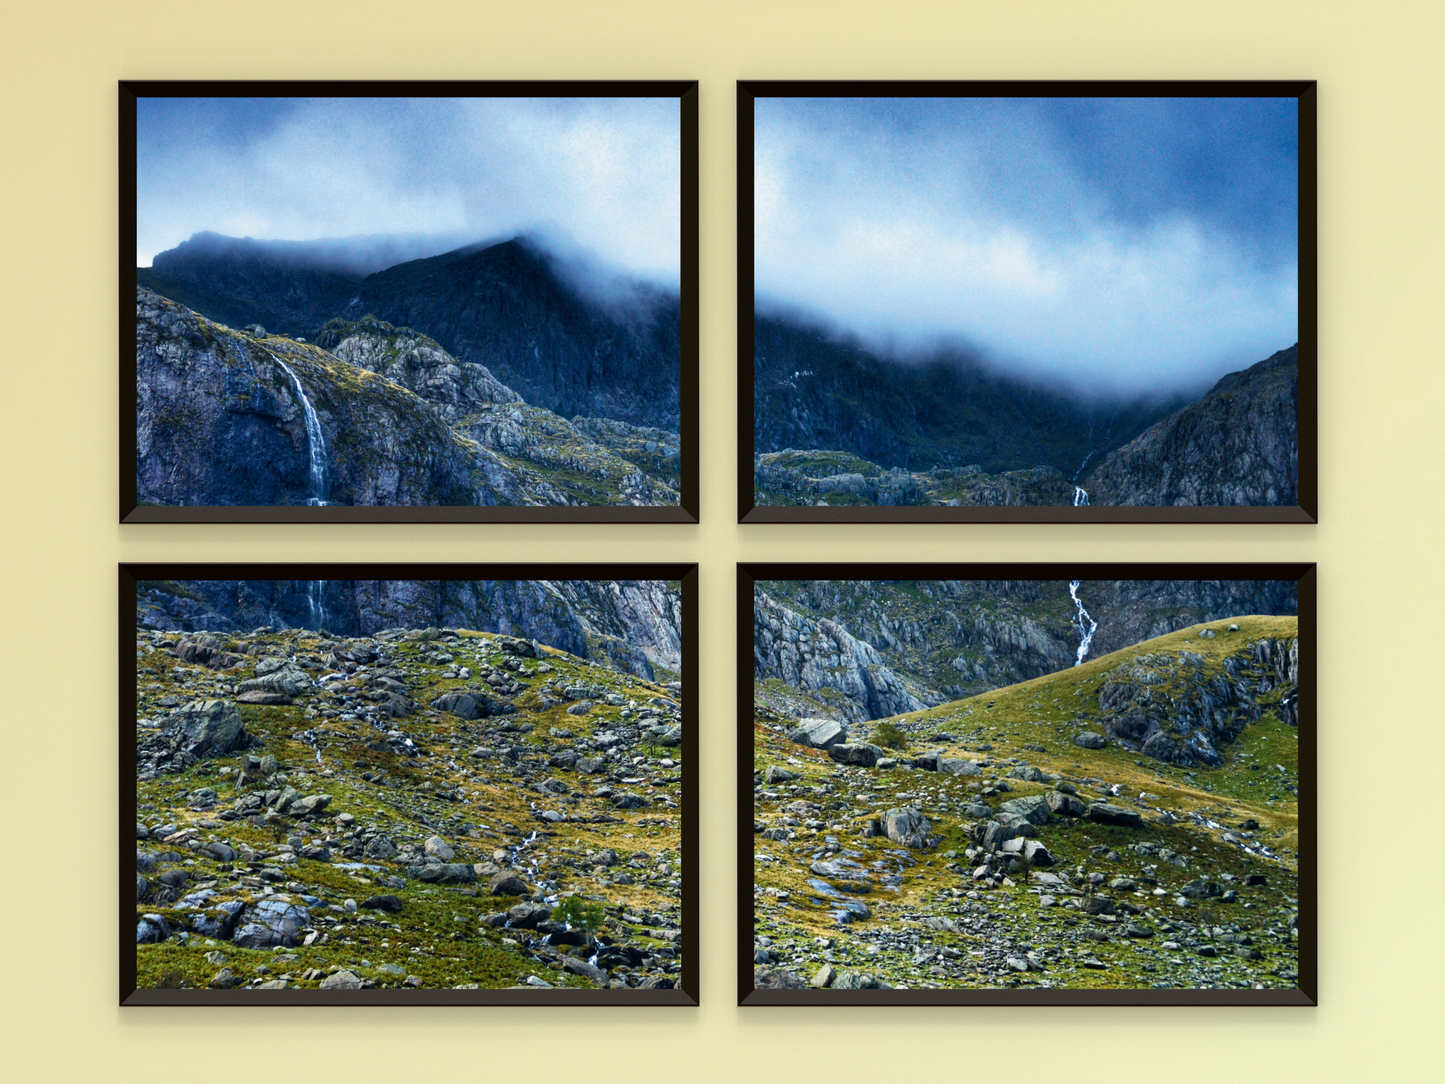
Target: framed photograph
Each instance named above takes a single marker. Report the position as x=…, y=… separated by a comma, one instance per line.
x=408, y=784
x=1027, y=784
x=1027, y=302
x=408, y=302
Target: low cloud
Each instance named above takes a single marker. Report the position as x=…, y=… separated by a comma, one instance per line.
x=600, y=175
x=981, y=232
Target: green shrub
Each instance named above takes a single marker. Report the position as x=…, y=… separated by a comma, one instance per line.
x=889, y=736
x=576, y=912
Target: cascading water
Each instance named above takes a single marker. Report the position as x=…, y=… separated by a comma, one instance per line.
x=316, y=603
x=315, y=439
x=1081, y=497
x=1082, y=621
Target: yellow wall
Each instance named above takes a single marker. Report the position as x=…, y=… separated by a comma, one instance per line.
x=1377, y=545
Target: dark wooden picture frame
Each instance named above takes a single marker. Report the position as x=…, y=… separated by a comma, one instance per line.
x=1305, y=993
x=1306, y=511
x=685, y=992
x=685, y=511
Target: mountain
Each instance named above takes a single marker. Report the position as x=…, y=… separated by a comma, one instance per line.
x=1238, y=445
x=407, y=809
x=938, y=640
x=1131, y=823
x=835, y=424
x=385, y=417
x=288, y=287
x=814, y=391
x=504, y=306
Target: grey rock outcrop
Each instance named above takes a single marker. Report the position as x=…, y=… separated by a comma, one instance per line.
x=1238, y=445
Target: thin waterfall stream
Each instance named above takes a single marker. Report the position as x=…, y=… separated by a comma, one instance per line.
x=1082, y=621
x=315, y=439
x=1081, y=497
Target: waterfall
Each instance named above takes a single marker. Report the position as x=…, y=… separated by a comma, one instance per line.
x=1081, y=620
x=316, y=603
x=1081, y=497
x=315, y=439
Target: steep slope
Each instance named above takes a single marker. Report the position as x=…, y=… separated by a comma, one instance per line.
x=793, y=477
x=504, y=307
x=402, y=811
x=1006, y=841
x=632, y=625
x=220, y=420
x=815, y=392
x=953, y=638
x=390, y=416
x=1238, y=445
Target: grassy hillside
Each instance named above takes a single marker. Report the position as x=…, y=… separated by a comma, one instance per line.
x=1200, y=892
x=570, y=785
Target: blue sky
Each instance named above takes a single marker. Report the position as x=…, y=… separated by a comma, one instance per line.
x=596, y=177
x=1111, y=245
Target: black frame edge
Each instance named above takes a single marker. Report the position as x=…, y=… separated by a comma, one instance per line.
x=1305, y=993
x=1307, y=482
x=686, y=993
x=688, y=508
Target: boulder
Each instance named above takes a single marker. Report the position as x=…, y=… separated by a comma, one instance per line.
x=528, y=915
x=288, y=681
x=776, y=978
x=389, y=903
x=1065, y=805
x=928, y=762
x=342, y=980
x=958, y=766
x=447, y=873
x=1034, y=808
x=1105, y=813
x=776, y=774
x=819, y=733
x=909, y=828
x=207, y=728
x=859, y=754
x=506, y=884
x=469, y=704
x=1090, y=739
x=272, y=921
x=439, y=848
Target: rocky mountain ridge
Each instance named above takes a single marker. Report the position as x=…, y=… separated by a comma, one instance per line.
x=942, y=639
x=837, y=425
x=226, y=417
x=631, y=625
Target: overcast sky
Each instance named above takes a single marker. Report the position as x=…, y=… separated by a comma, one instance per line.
x=1112, y=244
x=598, y=175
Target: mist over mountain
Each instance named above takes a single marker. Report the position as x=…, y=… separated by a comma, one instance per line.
x=569, y=336
x=816, y=390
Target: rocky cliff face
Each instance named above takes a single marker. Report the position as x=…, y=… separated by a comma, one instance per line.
x=219, y=420
x=1172, y=706
x=503, y=306
x=384, y=417
x=820, y=658
x=632, y=625
x=950, y=639
x=1239, y=445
